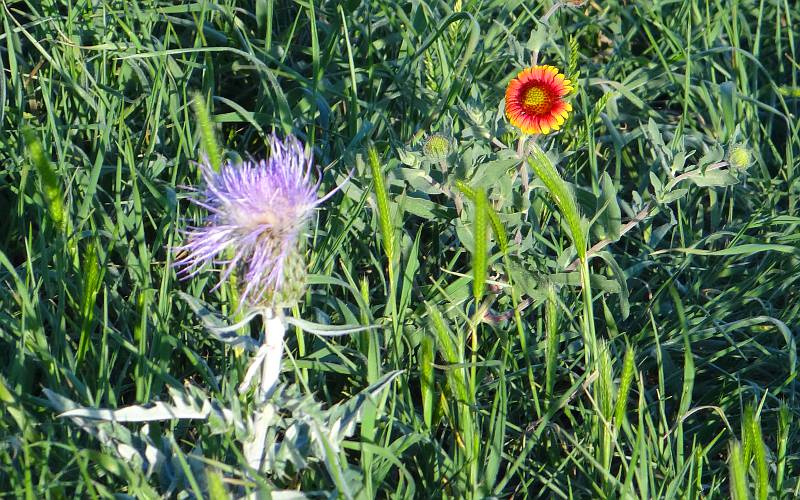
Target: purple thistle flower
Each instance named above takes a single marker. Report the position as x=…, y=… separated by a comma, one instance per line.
x=257, y=211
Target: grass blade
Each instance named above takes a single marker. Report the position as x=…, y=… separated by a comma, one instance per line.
x=479, y=257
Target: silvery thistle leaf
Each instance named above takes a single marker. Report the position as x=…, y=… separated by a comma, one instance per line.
x=138, y=449
x=190, y=404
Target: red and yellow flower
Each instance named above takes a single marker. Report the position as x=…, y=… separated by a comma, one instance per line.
x=535, y=100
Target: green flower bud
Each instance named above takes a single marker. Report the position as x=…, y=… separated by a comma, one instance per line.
x=293, y=284
x=739, y=157
x=436, y=147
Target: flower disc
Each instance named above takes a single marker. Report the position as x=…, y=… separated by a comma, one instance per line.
x=535, y=100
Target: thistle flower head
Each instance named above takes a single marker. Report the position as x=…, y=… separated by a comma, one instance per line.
x=257, y=212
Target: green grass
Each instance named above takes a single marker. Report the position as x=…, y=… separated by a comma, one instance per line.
x=688, y=386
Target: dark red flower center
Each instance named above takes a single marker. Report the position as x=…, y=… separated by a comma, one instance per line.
x=537, y=99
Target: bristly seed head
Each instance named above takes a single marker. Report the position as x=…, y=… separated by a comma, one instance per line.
x=257, y=212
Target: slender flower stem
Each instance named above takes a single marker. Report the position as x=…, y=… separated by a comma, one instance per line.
x=523, y=165
x=557, y=5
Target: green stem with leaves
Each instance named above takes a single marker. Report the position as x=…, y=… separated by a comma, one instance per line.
x=564, y=200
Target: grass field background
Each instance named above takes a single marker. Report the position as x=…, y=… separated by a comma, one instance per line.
x=691, y=388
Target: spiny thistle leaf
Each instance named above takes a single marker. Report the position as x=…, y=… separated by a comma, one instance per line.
x=326, y=330
x=217, y=328
x=342, y=418
x=193, y=404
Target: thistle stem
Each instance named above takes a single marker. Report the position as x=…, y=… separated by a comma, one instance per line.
x=274, y=330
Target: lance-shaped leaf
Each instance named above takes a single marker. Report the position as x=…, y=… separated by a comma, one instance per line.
x=326, y=330
x=191, y=404
x=343, y=417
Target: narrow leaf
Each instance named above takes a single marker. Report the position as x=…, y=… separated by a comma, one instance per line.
x=737, y=479
x=479, y=256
